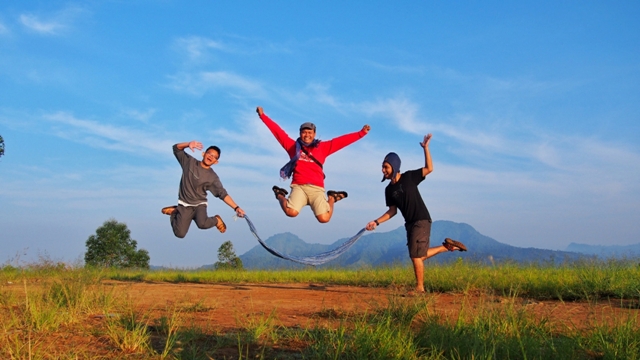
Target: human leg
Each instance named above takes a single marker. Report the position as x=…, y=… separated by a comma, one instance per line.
x=418, y=238
x=332, y=198
x=418, y=270
x=203, y=221
x=418, y=263
x=321, y=206
x=281, y=196
x=418, y=234
x=326, y=217
x=181, y=220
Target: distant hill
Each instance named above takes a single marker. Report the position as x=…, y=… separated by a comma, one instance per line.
x=608, y=251
x=387, y=248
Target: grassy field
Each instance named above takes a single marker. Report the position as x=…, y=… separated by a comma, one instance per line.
x=45, y=308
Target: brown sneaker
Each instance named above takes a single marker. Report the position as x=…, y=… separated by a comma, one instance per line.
x=453, y=245
x=220, y=225
x=169, y=210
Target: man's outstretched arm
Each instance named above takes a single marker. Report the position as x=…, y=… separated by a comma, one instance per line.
x=193, y=145
x=393, y=210
x=229, y=201
x=283, y=138
x=428, y=164
x=347, y=139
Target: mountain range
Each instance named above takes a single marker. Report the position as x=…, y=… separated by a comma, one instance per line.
x=606, y=251
x=387, y=248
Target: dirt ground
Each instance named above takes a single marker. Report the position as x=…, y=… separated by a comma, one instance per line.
x=229, y=309
x=231, y=306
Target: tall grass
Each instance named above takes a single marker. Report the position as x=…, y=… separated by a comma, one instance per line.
x=585, y=280
x=411, y=331
x=45, y=302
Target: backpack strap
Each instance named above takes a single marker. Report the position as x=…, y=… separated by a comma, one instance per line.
x=314, y=160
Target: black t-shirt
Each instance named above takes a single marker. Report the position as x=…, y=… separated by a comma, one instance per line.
x=405, y=196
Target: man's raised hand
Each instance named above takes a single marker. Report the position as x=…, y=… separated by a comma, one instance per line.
x=195, y=145
x=366, y=129
x=259, y=110
x=426, y=140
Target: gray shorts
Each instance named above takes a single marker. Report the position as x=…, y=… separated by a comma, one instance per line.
x=418, y=234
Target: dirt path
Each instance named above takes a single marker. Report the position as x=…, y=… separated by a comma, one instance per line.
x=228, y=306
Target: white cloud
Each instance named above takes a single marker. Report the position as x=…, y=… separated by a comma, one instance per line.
x=106, y=136
x=200, y=83
x=139, y=115
x=402, y=111
x=35, y=24
x=196, y=46
x=321, y=96
x=3, y=29
x=402, y=69
x=52, y=24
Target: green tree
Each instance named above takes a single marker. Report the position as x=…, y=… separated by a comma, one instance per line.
x=112, y=246
x=227, y=258
x=1, y=146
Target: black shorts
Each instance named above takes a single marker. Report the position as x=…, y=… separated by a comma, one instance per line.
x=418, y=234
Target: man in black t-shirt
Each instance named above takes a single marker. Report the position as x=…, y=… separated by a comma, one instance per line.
x=402, y=193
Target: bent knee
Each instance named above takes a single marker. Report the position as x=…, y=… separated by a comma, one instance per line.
x=291, y=213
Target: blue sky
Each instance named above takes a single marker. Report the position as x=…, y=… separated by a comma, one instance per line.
x=534, y=109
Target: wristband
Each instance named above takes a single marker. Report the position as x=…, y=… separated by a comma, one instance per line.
x=377, y=223
x=236, y=208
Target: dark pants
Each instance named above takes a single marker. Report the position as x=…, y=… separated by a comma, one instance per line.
x=181, y=219
x=418, y=234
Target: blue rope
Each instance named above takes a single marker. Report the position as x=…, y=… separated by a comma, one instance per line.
x=308, y=260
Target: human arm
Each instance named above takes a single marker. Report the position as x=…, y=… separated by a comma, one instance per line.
x=281, y=136
x=229, y=201
x=345, y=140
x=181, y=155
x=393, y=210
x=193, y=145
x=428, y=164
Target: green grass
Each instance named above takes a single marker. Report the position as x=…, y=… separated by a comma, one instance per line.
x=588, y=280
x=52, y=301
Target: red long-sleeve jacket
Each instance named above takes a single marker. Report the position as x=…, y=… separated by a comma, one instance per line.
x=306, y=170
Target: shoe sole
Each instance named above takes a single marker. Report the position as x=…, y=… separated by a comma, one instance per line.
x=455, y=243
x=335, y=195
x=279, y=191
x=221, y=226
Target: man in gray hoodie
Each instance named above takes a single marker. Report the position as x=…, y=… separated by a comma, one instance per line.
x=197, y=179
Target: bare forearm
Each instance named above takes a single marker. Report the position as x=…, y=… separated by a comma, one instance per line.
x=428, y=164
x=193, y=145
x=229, y=201
x=182, y=146
x=386, y=216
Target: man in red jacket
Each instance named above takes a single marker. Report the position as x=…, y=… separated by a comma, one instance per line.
x=308, y=155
